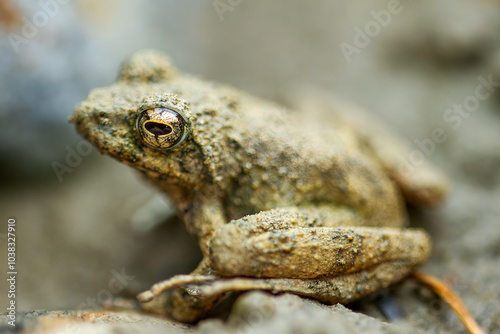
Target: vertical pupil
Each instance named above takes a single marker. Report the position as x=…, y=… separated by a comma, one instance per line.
x=158, y=129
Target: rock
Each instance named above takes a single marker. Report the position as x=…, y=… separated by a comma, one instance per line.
x=259, y=312
x=253, y=312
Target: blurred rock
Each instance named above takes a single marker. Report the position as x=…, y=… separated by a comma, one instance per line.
x=87, y=322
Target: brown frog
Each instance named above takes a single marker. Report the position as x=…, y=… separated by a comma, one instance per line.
x=279, y=201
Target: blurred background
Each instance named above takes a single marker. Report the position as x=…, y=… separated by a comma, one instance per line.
x=408, y=62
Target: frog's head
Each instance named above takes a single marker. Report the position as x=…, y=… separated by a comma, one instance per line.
x=140, y=122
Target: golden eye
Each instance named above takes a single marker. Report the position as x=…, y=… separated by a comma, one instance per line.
x=162, y=128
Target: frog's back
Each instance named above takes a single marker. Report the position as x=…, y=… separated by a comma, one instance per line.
x=260, y=156
x=287, y=159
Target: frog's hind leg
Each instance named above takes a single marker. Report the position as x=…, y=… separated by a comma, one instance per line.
x=312, y=254
x=286, y=243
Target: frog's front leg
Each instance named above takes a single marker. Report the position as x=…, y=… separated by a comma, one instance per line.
x=202, y=216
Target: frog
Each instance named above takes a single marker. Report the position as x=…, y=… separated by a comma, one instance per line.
x=279, y=200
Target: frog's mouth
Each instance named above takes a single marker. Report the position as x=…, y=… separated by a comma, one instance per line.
x=127, y=152
x=119, y=140
x=149, y=171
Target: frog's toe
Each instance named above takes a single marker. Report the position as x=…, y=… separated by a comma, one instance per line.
x=180, y=297
x=174, y=282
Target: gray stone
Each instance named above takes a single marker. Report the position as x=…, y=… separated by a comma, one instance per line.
x=259, y=312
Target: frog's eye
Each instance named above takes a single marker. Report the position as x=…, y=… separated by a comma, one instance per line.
x=162, y=128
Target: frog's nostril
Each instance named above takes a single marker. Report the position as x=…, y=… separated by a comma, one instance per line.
x=158, y=129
